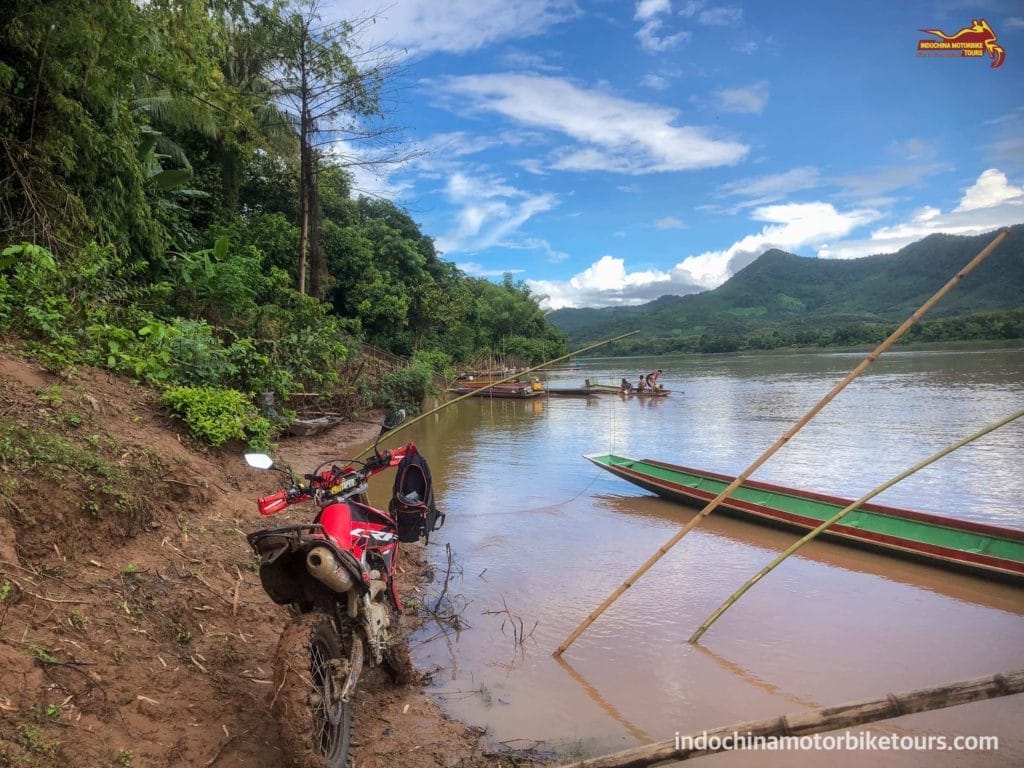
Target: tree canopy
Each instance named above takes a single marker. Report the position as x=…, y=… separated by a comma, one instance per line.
x=175, y=151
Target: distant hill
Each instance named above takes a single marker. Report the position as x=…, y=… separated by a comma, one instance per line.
x=782, y=299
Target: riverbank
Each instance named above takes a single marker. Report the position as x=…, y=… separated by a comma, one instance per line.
x=133, y=626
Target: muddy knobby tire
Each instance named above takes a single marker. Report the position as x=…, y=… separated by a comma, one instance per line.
x=397, y=659
x=308, y=737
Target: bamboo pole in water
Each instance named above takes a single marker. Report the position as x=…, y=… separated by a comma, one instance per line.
x=815, y=721
x=842, y=513
x=713, y=504
x=508, y=378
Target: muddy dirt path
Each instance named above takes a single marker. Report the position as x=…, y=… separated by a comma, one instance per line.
x=145, y=639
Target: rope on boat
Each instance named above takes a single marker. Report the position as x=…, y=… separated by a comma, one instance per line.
x=713, y=504
x=841, y=513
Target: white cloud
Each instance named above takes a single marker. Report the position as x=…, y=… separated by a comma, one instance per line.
x=657, y=82
x=606, y=283
x=750, y=99
x=490, y=211
x=519, y=59
x=669, y=222
x=539, y=244
x=991, y=189
x=881, y=180
x=720, y=17
x=453, y=26
x=990, y=203
x=372, y=169
x=648, y=9
x=691, y=7
x=1014, y=22
x=650, y=33
x=651, y=38
x=759, y=190
x=790, y=226
x=613, y=134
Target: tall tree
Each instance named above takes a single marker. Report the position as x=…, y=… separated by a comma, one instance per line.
x=332, y=91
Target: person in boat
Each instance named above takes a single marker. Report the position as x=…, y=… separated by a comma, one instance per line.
x=651, y=380
x=625, y=387
x=640, y=385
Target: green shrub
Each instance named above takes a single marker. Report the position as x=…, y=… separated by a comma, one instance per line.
x=438, y=361
x=218, y=415
x=402, y=388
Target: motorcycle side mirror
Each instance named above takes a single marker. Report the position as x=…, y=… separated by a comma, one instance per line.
x=259, y=460
x=392, y=420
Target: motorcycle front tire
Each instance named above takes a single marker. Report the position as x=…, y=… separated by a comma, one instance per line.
x=315, y=727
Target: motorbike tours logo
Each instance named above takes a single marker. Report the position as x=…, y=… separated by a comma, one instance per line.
x=970, y=42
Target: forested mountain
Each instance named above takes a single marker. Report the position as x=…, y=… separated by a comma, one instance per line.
x=782, y=299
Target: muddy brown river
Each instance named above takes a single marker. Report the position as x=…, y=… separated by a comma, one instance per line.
x=541, y=536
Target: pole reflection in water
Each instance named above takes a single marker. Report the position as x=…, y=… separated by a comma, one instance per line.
x=556, y=535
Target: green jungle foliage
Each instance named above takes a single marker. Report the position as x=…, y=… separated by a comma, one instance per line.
x=149, y=219
x=784, y=300
x=216, y=415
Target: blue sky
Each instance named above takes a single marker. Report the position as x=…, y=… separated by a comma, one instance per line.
x=609, y=152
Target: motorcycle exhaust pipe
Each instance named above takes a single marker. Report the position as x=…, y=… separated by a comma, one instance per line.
x=324, y=566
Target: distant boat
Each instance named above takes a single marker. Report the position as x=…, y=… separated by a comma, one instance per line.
x=571, y=391
x=944, y=541
x=516, y=391
x=602, y=389
x=306, y=427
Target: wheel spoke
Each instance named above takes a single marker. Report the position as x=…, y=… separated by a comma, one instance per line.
x=327, y=712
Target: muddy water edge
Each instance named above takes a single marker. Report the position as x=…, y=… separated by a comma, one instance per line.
x=540, y=537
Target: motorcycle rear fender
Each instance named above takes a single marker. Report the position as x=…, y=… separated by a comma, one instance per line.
x=283, y=571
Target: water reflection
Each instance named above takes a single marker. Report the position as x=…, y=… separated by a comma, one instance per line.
x=552, y=536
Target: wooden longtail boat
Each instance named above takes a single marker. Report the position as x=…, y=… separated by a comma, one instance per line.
x=511, y=392
x=570, y=391
x=979, y=547
x=613, y=389
x=647, y=393
x=300, y=427
x=601, y=389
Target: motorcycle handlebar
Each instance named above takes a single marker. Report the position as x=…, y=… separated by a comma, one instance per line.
x=276, y=502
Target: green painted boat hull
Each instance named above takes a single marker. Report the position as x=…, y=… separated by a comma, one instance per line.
x=979, y=547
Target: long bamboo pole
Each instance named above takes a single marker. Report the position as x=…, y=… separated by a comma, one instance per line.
x=801, y=724
x=508, y=378
x=843, y=512
x=713, y=504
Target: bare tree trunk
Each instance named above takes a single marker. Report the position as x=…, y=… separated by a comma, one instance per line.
x=317, y=258
x=305, y=163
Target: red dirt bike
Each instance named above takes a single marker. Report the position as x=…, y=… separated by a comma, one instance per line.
x=337, y=574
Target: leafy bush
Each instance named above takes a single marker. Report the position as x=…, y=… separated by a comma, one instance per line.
x=440, y=363
x=218, y=415
x=402, y=388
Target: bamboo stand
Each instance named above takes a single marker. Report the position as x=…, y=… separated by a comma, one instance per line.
x=713, y=504
x=816, y=721
x=842, y=513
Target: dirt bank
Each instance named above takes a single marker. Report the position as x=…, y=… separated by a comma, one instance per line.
x=133, y=628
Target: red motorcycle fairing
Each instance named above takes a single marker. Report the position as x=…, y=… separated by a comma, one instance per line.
x=359, y=528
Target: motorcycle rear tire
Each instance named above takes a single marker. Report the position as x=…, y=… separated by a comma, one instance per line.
x=397, y=659
x=316, y=728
